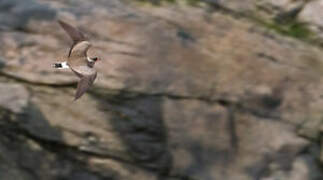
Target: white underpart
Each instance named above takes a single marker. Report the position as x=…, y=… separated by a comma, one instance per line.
x=89, y=59
x=64, y=65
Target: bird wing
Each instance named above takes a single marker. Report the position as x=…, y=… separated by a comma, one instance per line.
x=76, y=35
x=77, y=59
x=86, y=80
x=78, y=55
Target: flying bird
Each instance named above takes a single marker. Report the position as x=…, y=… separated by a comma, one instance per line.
x=78, y=60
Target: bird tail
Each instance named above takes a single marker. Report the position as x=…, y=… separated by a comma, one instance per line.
x=57, y=65
x=60, y=65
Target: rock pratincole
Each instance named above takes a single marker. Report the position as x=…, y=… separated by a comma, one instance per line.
x=78, y=60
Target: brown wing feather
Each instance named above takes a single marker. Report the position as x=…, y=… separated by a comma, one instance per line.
x=76, y=35
x=77, y=59
x=84, y=84
x=78, y=56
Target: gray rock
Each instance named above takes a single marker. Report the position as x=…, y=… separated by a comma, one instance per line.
x=14, y=97
x=15, y=14
x=180, y=94
x=265, y=9
x=312, y=15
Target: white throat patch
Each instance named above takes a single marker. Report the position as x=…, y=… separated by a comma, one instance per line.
x=89, y=59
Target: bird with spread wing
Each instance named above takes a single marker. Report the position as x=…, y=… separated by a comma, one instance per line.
x=78, y=60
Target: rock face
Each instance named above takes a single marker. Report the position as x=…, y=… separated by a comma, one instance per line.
x=181, y=94
x=271, y=8
x=305, y=13
x=312, y=15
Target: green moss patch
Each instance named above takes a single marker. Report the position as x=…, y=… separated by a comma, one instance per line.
x=293, y=28
x=158, y=2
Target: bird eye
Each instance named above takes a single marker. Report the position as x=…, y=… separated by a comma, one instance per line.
x=95, y=58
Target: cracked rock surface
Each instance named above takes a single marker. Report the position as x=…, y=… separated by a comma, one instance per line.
x=181, y=94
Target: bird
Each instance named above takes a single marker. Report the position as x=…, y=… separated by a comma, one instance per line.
x=77, y=60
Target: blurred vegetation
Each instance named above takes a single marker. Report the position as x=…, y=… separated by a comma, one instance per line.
x=158, y=2
x=290, y=27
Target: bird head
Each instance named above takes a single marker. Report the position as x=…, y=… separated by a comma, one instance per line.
x=95, y=59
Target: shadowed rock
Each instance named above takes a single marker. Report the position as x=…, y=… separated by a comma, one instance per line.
x=181, y=93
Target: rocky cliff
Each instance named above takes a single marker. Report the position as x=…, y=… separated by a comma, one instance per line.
x=213, y=90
